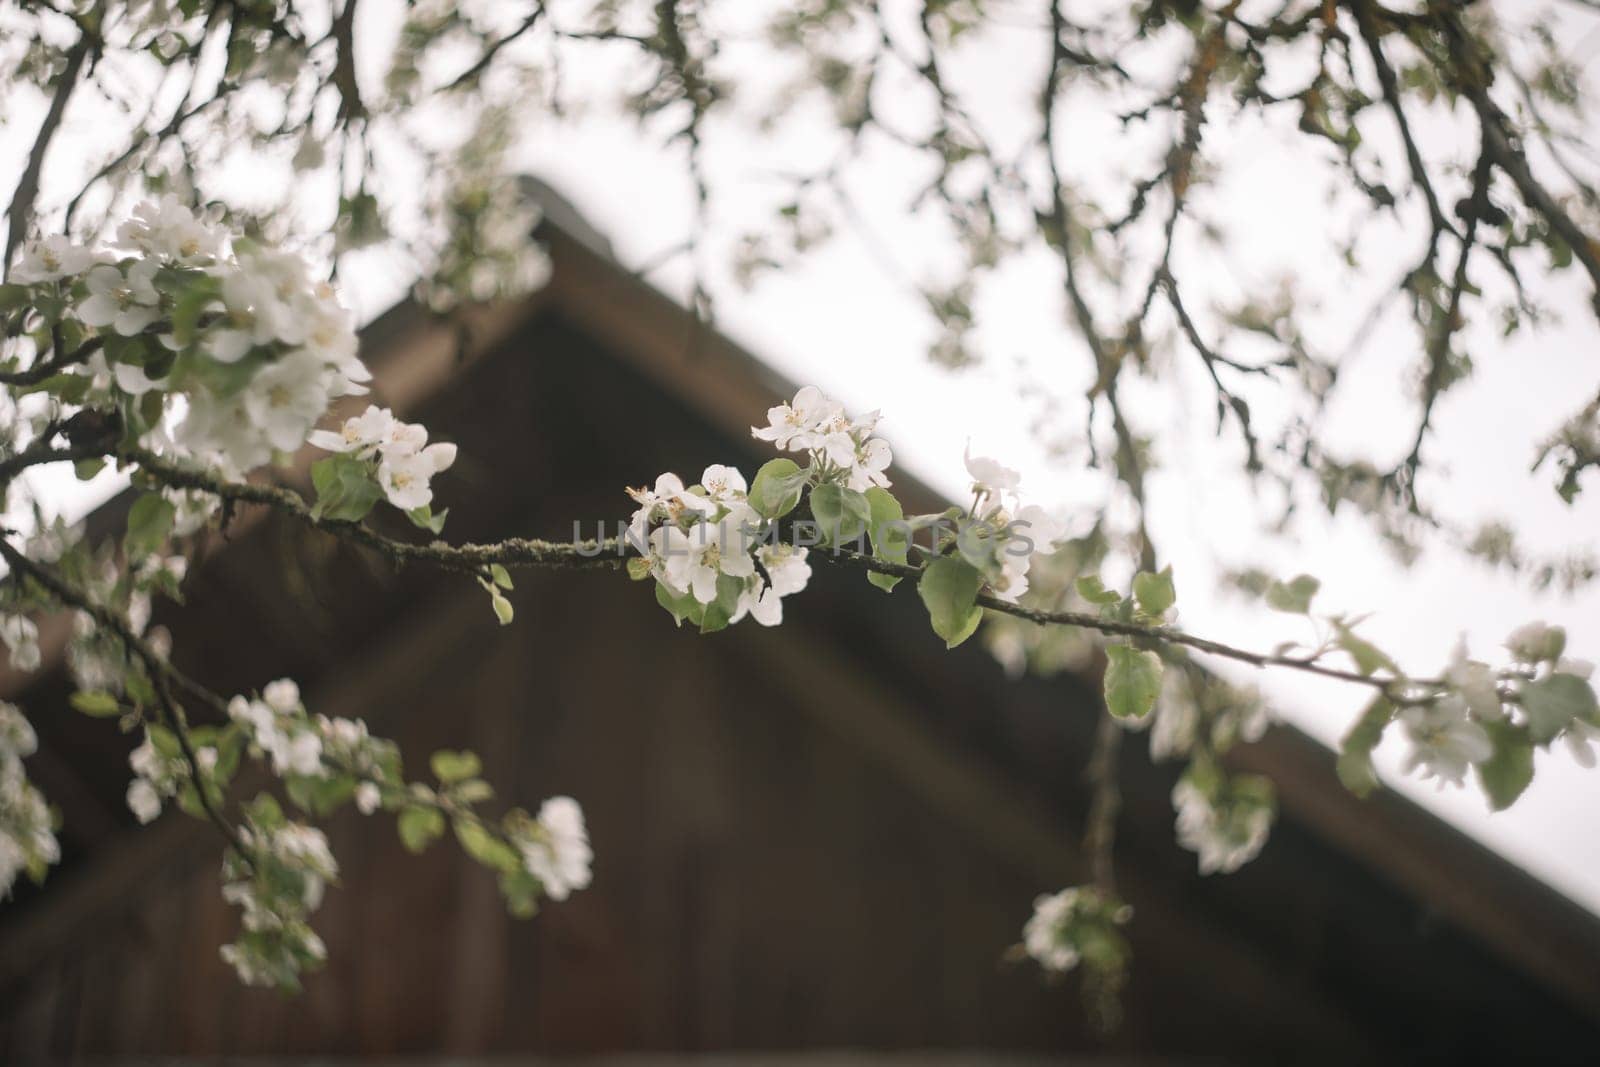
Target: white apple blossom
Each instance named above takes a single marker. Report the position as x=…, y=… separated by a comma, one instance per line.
x=143, y=800
x=405, y=478
x=1445, y=741
x=126, y=301
x=696, y=557
x=1177, y=719
x=759, y=601
x=868, y=461
x=298, y=753
x=787, y=572
x=282, y=696
x=21, y=636
x=287, y=397
x=558, y=852
x=1225, y=834
x=989, y=476
x=1044, y=530
x=17, y=739
x=797, y=425
x=167, y=229
x=1044, y=935
x=361, y=434
x=1475, y=683
x=308, y=845
x=50, y=259
x=368, y=798
x=786, y=567
x=723, y=484
x=669, y=502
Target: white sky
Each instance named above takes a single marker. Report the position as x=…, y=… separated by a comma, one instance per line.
x=839, y=320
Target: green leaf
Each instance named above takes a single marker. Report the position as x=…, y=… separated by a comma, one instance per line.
x=424, y=518
x=1355, y=751
x=521, y=891
x=139, y=689
x=949, y=590
x=679, y=607
x=777, y=488
x=1554, y=701
x=1507, y=772
x=500, y=576
x=190, y=306
x=346, y=490
x=1155, y=592
x=485, y=847
x=321, y=796
x=1094, y=591
x=1293, y=596
x=420, y=827
x=843, y=514
x=891, y=537
x=85, y=469
x=719, y=612
x=13, y=297
x=1132, y=681
x=503, y=610
x=1369, y=658
x=451, y=766
x=164, y=741
x=149, y=524
x=96, y=703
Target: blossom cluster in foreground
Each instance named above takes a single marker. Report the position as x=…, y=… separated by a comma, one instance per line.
x=279, y=877
x=395, y=455
x=27, y=828
x=720, y=550
x=1075, y=925
x=220, y=352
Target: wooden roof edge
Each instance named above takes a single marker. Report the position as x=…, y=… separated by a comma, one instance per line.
x=414, y=353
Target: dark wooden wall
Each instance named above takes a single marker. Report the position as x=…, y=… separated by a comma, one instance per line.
x=818, y=837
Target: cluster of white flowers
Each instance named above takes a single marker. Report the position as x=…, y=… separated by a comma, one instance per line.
x=1019, y=531
x=1544, y=694
x=1065, y=925
x=837, y=442
x=1445, y=741
x=404, y=461
x=1226, y=827
x=27, y=834
x=1207, y=709
x=160, y=773
x=252, y=344
x=710, y=544
x=347, y=743
x=277, y=726
x=277, y=888
x=21, y=636
x=555, y=848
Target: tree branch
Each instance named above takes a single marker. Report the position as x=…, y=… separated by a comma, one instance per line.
x=523, y=552
x=27, y=191
x=155, y=665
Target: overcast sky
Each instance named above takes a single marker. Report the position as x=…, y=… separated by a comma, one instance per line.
x=843, y=320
